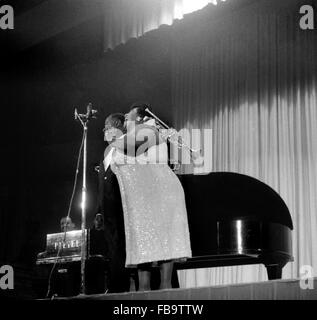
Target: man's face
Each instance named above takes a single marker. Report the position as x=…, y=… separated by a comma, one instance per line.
x=130, y=118
x=66, y=225
x=111, y=133
x=98, y=222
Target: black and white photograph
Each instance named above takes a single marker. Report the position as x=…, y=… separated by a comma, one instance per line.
x=158, y=155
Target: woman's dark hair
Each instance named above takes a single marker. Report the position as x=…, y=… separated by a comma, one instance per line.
x=115, y=120
x=141, y=109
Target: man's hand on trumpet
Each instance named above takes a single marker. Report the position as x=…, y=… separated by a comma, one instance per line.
x=169, y=134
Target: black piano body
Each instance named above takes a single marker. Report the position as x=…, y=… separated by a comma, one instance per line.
x=235, y=219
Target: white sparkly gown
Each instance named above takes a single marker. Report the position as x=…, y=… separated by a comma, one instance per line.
x=155, y=216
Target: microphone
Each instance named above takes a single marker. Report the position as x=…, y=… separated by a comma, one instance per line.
x=89, y=108
x=90, y=112
x=75, y=114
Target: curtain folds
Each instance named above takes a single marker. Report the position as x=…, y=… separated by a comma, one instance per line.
x=252, y=78
x=125, y=19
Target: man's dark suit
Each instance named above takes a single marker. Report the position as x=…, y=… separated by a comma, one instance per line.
x=110, y=205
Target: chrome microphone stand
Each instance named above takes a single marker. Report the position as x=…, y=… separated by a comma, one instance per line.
x=84, y=119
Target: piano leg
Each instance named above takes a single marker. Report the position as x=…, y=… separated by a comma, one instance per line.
x=274, y=271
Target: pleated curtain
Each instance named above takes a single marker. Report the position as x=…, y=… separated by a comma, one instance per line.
x=126, y=19
x=251, y=78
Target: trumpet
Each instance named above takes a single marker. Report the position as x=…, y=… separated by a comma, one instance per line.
x=180, y=143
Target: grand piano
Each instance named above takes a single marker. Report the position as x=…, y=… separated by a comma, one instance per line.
x=235, y=219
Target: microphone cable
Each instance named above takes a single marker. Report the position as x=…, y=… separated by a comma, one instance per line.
x=68, y=214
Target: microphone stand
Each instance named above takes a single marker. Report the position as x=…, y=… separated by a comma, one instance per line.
x=84, y=119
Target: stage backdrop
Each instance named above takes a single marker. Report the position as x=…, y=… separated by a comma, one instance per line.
x=132, y=19
x=251, y=77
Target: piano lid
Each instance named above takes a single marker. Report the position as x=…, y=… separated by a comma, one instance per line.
x=232, y=196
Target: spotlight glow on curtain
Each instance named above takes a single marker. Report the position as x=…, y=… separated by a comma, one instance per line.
x=125, y=19
x=253, y=80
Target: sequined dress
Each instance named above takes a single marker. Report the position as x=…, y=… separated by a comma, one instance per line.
x=155, y=217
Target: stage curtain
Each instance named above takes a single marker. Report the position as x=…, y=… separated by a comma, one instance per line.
x=251, y=77
x=125, y=19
